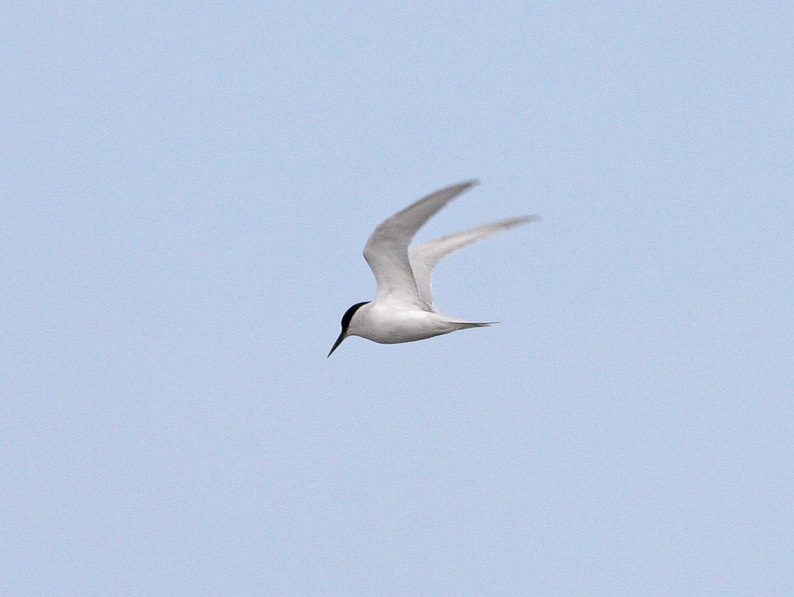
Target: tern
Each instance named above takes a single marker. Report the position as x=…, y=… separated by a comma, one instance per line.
x=403, y=309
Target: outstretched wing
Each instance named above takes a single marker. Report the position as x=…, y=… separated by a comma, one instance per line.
x=386, y=250
x=423, y=258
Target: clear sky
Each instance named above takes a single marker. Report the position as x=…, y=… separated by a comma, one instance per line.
x=186, y=189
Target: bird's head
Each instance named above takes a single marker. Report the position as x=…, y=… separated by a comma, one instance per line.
x=346, y=319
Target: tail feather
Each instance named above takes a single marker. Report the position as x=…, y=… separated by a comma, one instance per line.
x=464, y=325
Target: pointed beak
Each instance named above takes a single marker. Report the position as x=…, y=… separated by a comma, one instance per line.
x=341, y=337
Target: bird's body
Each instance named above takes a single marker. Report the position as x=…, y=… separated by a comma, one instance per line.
x=388, y=324
x=403, y=309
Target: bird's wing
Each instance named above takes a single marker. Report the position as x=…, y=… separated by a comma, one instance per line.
x=424, y=257
x=386, y=250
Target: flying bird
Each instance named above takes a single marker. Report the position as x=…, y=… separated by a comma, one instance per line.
x=403, y=309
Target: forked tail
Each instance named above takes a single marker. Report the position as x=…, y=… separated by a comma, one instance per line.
x=464, y=325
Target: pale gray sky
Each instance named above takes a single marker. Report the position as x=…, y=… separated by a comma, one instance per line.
x=186, y=191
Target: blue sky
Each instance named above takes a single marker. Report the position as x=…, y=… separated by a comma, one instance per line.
x=186, y=190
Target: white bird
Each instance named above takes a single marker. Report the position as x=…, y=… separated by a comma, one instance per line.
x=403, y=309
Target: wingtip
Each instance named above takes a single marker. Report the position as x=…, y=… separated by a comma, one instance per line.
x=465, y=184
x=519, y=220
